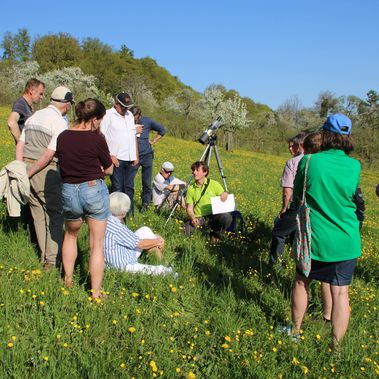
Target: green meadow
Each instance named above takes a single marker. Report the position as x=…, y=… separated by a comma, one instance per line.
x=218, y=319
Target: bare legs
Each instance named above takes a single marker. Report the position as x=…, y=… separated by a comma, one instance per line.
x=299, y=301
x=96, y=261
x=327, y=301
x=70, y=252
x=340, y=312
x=335, y=300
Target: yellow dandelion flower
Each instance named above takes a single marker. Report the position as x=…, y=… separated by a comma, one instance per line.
x=14, y=338
x=135, y=294
x=295, y=361
x=225, y=345
x=227, y=338
x=305, y=369
x=122, y=365
x=10, y=345
x=65, y=345
x=207, y=333
x=153, y=366
x=114, y=322
x=274, y=349
x=173, y=289
x=318, y=337
x=178, y=370
x=46, y=358
x=132, y=329
x=191, y=375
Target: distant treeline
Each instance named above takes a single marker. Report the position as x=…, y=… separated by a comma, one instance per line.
x=93, y=68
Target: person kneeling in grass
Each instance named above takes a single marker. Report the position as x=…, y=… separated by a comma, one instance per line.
x=122, y=247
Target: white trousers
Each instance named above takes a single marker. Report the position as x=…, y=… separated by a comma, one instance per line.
x=146, y=233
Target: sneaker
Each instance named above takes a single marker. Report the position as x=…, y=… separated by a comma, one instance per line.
x=288, y=330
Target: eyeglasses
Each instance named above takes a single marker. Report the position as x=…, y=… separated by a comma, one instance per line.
x=167, y=172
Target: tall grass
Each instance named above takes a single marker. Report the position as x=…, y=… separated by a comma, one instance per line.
x=219, y=319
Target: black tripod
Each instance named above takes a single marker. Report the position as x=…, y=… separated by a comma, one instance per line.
x=206, y=157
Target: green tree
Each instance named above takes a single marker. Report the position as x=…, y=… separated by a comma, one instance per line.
x=22, y=45
x=7, y=44
x=56, y=51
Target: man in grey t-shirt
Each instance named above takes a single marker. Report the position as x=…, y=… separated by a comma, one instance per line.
x=22, y=108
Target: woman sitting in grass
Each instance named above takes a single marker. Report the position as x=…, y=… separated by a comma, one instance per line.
x=122, y=247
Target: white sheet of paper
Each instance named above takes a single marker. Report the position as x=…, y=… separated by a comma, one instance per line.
x=219, y=206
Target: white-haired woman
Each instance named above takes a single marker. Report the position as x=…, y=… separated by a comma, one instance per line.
x=122, y=247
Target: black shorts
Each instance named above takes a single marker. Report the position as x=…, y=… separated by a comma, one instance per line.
x=334, y=273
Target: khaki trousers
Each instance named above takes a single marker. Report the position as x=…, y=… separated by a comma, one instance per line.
x=46, y=208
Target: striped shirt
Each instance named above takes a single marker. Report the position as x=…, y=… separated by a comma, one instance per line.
x=120, y=245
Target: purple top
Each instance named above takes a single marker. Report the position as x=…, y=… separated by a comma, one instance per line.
x=289, y=172
x=82, y=155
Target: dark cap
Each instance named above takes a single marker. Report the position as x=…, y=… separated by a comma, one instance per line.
x=124, y=100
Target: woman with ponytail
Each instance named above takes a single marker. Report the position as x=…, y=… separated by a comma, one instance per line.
x=84, y=159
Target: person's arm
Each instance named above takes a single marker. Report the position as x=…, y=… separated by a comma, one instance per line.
x=191, y=215
x=20, y=150
x=42, y=162
x=109, y=170
x=155, y=139
x=13, y=125
x=135, y=162
x=147, y=244
x=286, y=198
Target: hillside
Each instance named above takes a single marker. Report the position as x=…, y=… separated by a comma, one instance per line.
x=218, y=319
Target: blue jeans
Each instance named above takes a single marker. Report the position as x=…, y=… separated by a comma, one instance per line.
x=283, y=227
x=88, y=199
x=146, y=162
x=123, y=180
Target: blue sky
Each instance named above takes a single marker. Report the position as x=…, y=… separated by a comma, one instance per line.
x=267, y=50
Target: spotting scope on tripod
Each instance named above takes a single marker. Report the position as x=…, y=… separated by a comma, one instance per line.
x=209, y=139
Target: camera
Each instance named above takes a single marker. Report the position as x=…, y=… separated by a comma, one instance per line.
x=210, y=131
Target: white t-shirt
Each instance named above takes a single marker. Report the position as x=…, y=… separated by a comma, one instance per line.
x=160, y=191
x=120, y=134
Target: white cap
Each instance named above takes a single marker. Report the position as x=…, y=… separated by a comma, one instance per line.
x=62, y=95
x=168, y=166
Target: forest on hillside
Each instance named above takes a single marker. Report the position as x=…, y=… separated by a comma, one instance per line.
x=92, y=68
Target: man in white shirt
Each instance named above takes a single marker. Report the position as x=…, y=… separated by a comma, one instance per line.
x=36, y=147
x=119, y=130
x=166, y=187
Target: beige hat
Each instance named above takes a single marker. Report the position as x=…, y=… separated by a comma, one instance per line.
x=62, y=95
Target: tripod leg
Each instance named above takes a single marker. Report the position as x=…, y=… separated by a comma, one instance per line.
x=219, y=164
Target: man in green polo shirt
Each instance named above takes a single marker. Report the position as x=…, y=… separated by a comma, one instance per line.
x=198, y=200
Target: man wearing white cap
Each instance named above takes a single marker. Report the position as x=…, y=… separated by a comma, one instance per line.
x=36, y=147
x=119, y=130
x=166, y=187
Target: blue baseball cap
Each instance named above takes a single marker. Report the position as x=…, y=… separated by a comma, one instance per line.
x=338, y=123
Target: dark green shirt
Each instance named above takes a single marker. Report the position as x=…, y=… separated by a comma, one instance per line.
x=332, y=180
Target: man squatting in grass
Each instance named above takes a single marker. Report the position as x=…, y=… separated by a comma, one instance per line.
x=166, y=187
x=199, y=208
x=36, y=147
x=122, y=247
x=285, y=223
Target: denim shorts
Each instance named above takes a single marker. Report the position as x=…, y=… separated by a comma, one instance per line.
x=334, y=273
x=88, y=199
